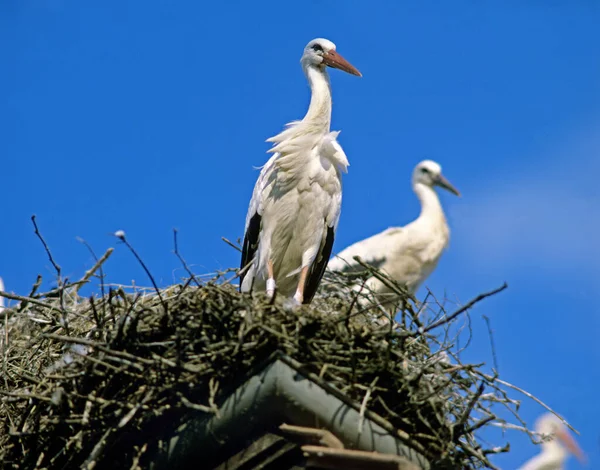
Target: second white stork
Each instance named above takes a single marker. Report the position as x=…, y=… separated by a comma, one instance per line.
x=556, y=446
x=296, y=203
x=407, y=254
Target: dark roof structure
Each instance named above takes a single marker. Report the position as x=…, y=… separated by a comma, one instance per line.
x=252, y=428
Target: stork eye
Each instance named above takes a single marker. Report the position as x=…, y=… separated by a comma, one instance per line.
x=424, y=170
x=317, y=48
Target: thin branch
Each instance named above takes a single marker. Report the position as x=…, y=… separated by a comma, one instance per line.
x=462, y=421
x=363, y=407
x=528, y=395
x=46, y=247
x=465, y=307
x=231, y=244
x=494, y=358
x=92, y=459
x=93, y=253
x=181, y=259
x=121, y=236
x=9, y=295
x=98, y=266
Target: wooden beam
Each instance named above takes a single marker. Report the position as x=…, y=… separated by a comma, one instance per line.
x=264, y=445
x=346, y=459
x=311, y=436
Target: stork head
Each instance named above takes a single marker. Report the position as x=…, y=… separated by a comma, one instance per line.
x=429, y=173
x=556, y=437
x=321, y=53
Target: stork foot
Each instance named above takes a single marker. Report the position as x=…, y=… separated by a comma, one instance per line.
x=299, y=297
x=291, y=305
x=270, y=288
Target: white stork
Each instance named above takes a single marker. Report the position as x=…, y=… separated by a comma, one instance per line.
x=556, y=448
x=295, y=206
x=407, y=254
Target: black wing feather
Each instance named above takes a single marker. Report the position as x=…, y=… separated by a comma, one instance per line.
x=318, y=268
x=250, y=243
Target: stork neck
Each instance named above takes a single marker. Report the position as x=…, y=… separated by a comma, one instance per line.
x=319, y=110
x=555, y=449
x=431, y=208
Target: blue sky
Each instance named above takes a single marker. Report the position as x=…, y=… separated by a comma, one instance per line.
x=145, y=116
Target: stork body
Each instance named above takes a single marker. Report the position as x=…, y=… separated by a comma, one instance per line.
x=556, y=449
x=407, y=254
x=296, y=203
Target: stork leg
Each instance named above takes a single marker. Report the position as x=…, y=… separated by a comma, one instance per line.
x=270, y=280
x=299, y=295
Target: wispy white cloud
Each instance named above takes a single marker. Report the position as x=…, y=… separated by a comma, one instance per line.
x=545, y=212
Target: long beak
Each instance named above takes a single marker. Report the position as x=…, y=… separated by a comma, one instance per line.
x=442, y=182
x=333, y=59
x=570, y=444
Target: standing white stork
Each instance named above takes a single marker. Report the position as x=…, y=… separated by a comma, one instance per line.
x=556, y=448
x=407, y=254
x=295, y=206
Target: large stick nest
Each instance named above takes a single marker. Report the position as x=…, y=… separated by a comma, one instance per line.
x=95, y=381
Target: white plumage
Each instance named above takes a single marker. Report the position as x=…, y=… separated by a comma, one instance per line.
x=556, y=449
x=297, y=198
x=407, y=254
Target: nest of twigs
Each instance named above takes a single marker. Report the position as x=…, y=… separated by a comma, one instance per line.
x=95, y=381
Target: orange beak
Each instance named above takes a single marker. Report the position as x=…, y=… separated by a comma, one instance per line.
x=333, y=59
x=571, y=445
